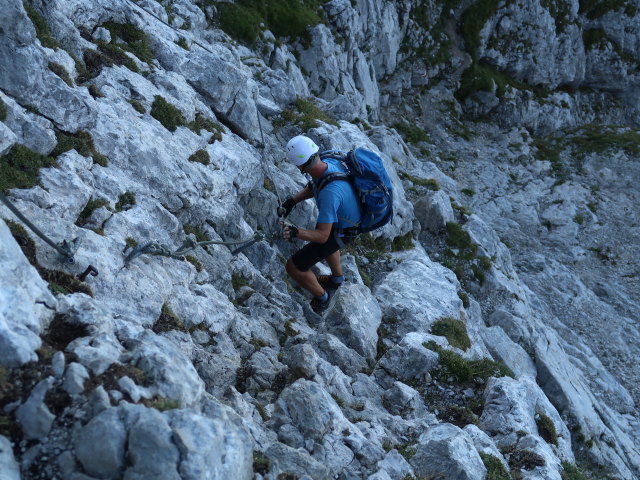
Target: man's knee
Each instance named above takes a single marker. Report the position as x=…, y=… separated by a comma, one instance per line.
x=291, y=268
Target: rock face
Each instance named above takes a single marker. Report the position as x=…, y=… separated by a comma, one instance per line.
x=491, y=325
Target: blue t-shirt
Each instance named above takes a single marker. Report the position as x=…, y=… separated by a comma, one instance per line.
x=337, y=201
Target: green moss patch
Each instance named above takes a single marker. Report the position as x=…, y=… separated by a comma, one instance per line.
x=81, y=142
x=459, y=238
x=125, y=201
x=525, y=460
x=594, y=9
x=412, y=133
x=137, y=106
x=168, y=321
x=495, y=468
x=3, y=111
x=203, y=123
x=304, y=114
x=403, y=242
x=458, y=416
x=42, y=29
x=285, y=18
x=454, y=331
x=473, y=19
x=161, y=403
x=571, y=472
x=132, y=39
x=260, y=463
x=200, y=234
x=200, y=156
x=462, y=370
x=60, y=71
x=547, y=429
x=92, y=205
x=20, y=167
x=599, y=139
x=169, y=116
x=430, y=183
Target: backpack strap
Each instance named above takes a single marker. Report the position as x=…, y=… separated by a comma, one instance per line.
x=331, y=177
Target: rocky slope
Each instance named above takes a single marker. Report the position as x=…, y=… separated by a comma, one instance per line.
x=490, y=331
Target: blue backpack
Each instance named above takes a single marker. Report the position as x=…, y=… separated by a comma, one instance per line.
x=371, y=182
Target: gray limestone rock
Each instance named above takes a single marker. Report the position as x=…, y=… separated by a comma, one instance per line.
x=33, y=415
x=502, y=348
x=100, y=445
x=395, y=465
x=8, y=465
x=302, y=361
x=447, y=451
x=167, y=369
x=150, y=447
x=403, y=400
x=355, y=319
x=402, y=295
x=331, y=349
x=516, y=406
x=74, y=379
x=24, y=298
x=433, y=211
x=287, y=460
x=409, y=359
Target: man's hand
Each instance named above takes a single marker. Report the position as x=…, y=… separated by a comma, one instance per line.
x=285, y=209
x=289, y=232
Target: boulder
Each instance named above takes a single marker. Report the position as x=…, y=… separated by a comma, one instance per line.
x=434, y=211
x=417, y=294
x=34, y=417
x=446, y=450
x=355, y=319
x=8, y=465
x=25, y=303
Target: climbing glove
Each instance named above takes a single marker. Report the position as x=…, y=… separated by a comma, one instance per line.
x=285, y=209
x=293, y=232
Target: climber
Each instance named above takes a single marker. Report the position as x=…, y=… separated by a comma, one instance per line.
x=336, y=225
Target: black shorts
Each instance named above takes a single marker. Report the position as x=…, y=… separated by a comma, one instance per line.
x=312, y=253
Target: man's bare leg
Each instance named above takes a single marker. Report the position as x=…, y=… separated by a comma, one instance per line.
x=334, y=263
x=306, y=280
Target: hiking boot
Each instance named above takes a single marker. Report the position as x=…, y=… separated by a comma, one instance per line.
x=327, y=283
x=320, y=307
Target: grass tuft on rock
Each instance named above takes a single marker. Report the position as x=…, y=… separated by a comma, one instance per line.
x=495, y=468
x=459, y=238
x=547, y=429
x=42, y=29
x=412, y=133
x=454, y=331
x=81, y=142
x=200, y=156
x=92, y=205
x=60, y=71
x=285, y=18
x=168, y=321
x=3, y=111
x=125, y=201
x=169, y=116
x=20, y=168
x=304, y=114
x=571, y=472
x=462, y=370
x=132, y=39
x=430, y=183
x=403, y=242
x=203, y=123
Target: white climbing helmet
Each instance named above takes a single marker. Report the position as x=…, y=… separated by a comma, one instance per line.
x=300, y=149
